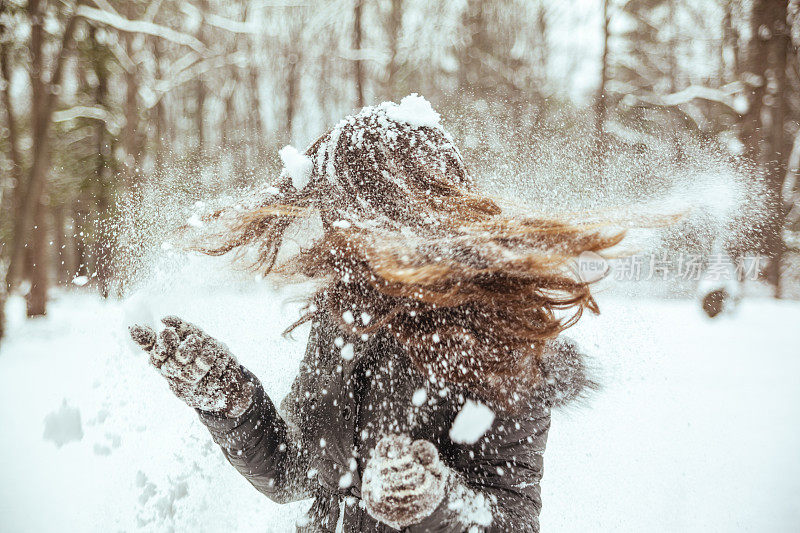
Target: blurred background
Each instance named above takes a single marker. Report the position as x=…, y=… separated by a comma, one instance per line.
x=121, y=121
x=100, y=98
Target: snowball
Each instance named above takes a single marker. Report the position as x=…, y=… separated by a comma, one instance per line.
x=435, y=337
x=346, y=480
x=415, y=111
x=348, y=317
x=471, y=507
x=341, y=224
x=471, y=423
x=80, y=281
x=347, y=352
x=419, y=397
x=366, y=318
x=297, y=165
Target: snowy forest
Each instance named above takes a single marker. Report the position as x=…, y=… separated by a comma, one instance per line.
x=99, y=98
x=122, y=123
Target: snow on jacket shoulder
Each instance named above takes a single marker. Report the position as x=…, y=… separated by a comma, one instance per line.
x=339, y=407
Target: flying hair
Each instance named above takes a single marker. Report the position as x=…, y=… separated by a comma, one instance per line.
x=412, y=250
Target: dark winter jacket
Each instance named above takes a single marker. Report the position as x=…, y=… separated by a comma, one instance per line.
x=339, y=407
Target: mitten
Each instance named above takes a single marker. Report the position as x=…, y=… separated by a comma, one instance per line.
x=198, y=368
x=404, y=481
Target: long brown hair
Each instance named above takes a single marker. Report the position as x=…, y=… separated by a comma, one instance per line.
x=411, y=250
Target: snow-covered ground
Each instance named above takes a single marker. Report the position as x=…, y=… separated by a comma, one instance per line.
x=697, y=427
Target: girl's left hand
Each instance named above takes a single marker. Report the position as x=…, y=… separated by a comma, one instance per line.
x=404, y=481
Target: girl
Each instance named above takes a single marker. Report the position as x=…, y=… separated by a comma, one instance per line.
x=432, y=305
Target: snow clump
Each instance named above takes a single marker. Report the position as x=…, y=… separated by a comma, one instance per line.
x=346, y=480
x=419, y=397
x=347, y=352
x=471, y=508
x=296, y=165
x=471, y=423
x=414, y=110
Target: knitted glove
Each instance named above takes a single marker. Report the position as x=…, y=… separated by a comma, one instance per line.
x=404, y=481
x=199, y=369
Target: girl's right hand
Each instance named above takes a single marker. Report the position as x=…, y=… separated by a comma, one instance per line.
x=198, y=368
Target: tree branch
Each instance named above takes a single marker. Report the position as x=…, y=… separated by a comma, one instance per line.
x=140, y=26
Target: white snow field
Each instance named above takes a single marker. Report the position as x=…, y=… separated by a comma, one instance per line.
x=696, y=428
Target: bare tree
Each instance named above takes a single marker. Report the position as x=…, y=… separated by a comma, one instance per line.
x=762, y=127
x=601, y=103
x=200, y=85
x=43, y=101
x=11, y=119
x=394, y=23
x=293, y=57
x=130, y=131
x=358, y=68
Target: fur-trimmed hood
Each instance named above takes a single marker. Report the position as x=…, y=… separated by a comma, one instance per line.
x=564, y=374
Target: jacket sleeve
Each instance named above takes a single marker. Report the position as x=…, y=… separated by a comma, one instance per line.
x=495, y=482
x=261, y=447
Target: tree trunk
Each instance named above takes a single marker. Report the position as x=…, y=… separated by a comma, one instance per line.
x=542, y=52
x=10, y=206
x=291, y=93
x=39, y=275
x=730, y=41
x=253, y=119
x=160, y=113
x=358, y=71
x=293, y=56
x=42, y=106
x=200, y=103
x=11, y=123
x=600, y=104
x=129, y=133
x=62, y=273
x=200, y=88
x=780, y=149
x=81, y=259
x=255, y=99
x=766, y=55
x=102, y=245
x=394, y=25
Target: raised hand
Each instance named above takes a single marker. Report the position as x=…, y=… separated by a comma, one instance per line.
x=199, y=369
x=404, y=481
